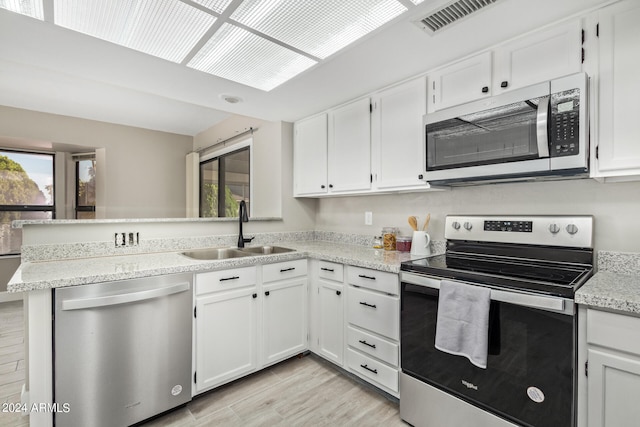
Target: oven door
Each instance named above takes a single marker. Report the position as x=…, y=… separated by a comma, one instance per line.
x=531, y=361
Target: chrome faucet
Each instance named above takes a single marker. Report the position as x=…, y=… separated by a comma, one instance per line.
x=243, y=216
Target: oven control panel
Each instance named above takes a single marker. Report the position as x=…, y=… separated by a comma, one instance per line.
x=510, y=226
x=568, y=231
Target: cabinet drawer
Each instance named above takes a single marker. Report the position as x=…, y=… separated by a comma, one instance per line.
x=373, y=279
x=373, y=345
x=284, y=270
x=331, y=271
x=374, y=311
x=613, y=330
x=223, y=280
x=372, y=369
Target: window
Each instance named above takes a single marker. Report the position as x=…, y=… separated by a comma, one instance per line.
x=26, y=192
x=224, y=182
x=86, y=188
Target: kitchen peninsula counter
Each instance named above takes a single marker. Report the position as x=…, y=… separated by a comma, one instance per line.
x=81, y=271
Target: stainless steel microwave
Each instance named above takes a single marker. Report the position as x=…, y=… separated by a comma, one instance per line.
x=537, y=132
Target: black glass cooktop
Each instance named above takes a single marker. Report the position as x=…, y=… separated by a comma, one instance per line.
x=560, y=275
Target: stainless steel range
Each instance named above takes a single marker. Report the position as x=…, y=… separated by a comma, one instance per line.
x=488, y=330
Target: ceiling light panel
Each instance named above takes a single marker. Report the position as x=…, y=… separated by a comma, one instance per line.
x=319, y=28
x=238, y=55
x=32, y=8
x=168, y=29
x=217, y=6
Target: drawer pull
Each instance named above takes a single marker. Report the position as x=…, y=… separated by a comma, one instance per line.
x=366, y=277
x=338, y=293
x=375, y=371
x=224, y=279
x=367, y=344
x=367, y=305
x=266, y=293
x=327, y=269
x=287, y=269
x=255, y=296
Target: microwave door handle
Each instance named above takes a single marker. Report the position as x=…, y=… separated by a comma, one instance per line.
x=542, y=119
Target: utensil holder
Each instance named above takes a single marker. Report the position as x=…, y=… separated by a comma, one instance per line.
x=420, y=243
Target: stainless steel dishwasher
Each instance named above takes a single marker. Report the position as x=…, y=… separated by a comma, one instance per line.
x=122, y=350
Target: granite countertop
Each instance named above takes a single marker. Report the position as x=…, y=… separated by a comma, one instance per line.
x=612, y=291
x=73, y=272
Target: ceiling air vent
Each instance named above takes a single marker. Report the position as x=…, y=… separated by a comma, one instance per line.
x=437, y=20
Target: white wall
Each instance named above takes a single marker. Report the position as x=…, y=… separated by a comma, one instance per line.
x=144, y=169
x=615, y=206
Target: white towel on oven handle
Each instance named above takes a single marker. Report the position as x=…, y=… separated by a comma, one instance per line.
x=462, y=325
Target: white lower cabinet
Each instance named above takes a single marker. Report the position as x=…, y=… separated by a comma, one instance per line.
x=284, y=314
x=330, y=312
x=373, y=330
x=225, y=326
x=242, y=323
x=613, y=375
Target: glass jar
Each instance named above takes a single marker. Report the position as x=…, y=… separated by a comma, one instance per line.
x=377, y=242
x=403, y=243
x=389, y=235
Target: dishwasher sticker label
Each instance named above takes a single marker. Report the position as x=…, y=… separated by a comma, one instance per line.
x=176, y=390
x=535, y=394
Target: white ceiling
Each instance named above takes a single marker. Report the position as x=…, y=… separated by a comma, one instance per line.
x=48, y=68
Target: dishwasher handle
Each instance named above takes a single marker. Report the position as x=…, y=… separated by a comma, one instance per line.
x=84, y=303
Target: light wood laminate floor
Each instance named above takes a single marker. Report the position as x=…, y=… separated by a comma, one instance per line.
x=305, y=391
x=11, y=362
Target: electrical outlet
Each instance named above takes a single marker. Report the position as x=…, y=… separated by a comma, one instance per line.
x=368, y=218
x=126, y=239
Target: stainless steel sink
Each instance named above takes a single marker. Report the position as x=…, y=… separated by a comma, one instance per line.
x=265, y=250
x=226, y=253
x=215, y=253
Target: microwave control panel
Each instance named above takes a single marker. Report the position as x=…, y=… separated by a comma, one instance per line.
x=564, y=134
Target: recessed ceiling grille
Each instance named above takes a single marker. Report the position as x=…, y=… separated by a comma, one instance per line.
x=454, y=12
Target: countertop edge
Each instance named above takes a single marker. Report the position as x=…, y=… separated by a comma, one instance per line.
x=611, y=291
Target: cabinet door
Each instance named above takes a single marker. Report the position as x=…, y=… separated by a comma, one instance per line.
x=613, y=384
x=539, y=57
x=284, y=319
x=397, y=136
x=464, y=81
x=310, y=156
x=618, y=141
x=350, y=147
x=226, y=337
x=331, y=321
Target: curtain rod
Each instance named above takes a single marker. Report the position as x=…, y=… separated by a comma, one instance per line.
x=249, y=131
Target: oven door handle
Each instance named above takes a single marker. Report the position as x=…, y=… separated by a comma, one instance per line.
x=533, y=301
x=517, y=298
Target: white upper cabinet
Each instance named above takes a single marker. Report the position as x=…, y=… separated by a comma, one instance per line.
x=460, y=82
x=397, y=136
x=541, y=56
x=617, y=90
x=310, y=156
x=350, y=147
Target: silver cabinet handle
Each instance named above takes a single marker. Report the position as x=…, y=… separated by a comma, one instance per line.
x=80, y=304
